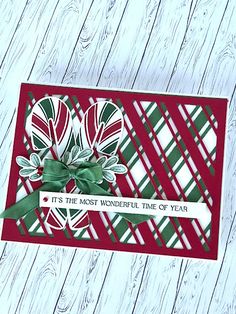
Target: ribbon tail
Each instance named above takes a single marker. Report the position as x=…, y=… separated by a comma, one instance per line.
x=29, y=202
x=136, y=218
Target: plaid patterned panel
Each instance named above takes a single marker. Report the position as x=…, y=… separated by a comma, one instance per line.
x=141, y=178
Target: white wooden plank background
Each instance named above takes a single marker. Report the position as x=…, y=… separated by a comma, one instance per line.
x=163, y=45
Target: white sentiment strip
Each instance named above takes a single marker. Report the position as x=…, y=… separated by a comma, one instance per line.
x=161, y=208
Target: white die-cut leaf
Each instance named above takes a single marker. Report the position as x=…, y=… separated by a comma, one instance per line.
x=85, y=153
x=22, y=161
x=35, y=177
x=75, y=151
x=111, y=161
x=101, y=160
x=35, y=160
x=25, y=172
x=121, y=169
x=65, y=157
x=109, y=175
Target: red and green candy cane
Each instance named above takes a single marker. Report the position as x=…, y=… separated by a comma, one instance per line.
x=101, y=128
x=52, y=127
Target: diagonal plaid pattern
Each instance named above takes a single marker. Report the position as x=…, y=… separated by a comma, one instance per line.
x=202, y=125
x=141, y=179
x=176, y=159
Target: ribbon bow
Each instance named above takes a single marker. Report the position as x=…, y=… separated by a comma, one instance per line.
x=87, y=176
x=56, y=175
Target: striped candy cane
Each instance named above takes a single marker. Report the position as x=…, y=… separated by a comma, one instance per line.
x=51, y=115
x=52, y=110
x=101, y=128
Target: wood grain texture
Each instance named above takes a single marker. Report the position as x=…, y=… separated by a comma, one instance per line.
x=119, y=74
x=15, y=266
x=45, y=280
x=59, y=41
x=128, y=63
x=10, y=20
x=220, y=76
x=21, y=54
x=16, y=260
x=83, y=283
x=107, y=14
x=186, y=46
x=124, y=59
x=159, y=286
x=223, y=298
x=94, y=42
x=197, y=44
x=124, y=276
x=20, y=50
x=203, y=274
x=164, y=45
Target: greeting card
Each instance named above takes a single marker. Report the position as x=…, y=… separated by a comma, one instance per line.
x=118, y=170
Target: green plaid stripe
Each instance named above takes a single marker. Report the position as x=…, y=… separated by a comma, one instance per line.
x=204, y=131
x=144, y=185
x=174, y=155
x=119, y=224
x=31, y=220
x=176, y=159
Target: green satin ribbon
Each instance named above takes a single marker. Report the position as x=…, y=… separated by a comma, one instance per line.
x=56, y=175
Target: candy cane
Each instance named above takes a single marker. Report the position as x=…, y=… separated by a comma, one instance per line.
x=55, y=110
x=101, y=128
